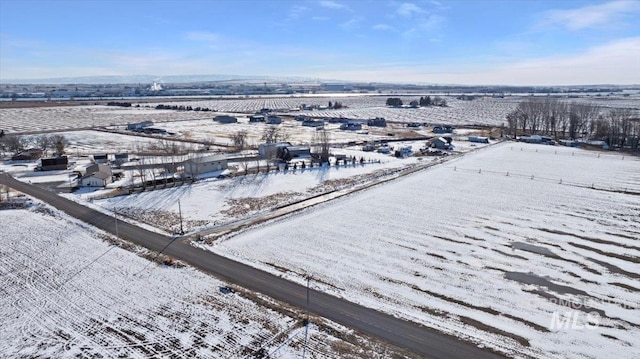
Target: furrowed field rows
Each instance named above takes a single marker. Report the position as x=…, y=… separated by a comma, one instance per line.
x=56, y=305
x=488, y=257
x=481, y=111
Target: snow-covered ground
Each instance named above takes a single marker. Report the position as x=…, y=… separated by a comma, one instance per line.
x=487, y=247
x=74, y=117
x=482, y=110
x=211, y=202
x=67, y=293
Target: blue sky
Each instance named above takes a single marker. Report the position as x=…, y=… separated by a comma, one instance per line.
x=461, y=42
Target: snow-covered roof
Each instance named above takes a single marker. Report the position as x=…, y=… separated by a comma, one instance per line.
x=100, y=171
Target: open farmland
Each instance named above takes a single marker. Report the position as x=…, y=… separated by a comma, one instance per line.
x=490, y=247
x=211, y=202
x=489, y=111
x=67, y=292
x=208, y=130
x=49, y=119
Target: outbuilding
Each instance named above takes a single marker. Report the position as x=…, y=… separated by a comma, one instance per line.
x=96, y=175
x=225, y=119
x=478, y=139
x=199, y=165
x=54, y=164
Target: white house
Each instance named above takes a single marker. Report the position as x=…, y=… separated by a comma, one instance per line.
x=97, y=175
x=199, y=165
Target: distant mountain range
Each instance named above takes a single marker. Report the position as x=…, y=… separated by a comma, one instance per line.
x=146, y=79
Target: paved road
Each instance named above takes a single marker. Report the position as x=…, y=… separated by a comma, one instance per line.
x=408, y=335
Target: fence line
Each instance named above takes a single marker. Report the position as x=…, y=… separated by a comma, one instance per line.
x=578, y=153
x=559, y=181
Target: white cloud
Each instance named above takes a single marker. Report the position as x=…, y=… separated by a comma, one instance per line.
x=350, y=24
x=205, y=36
x=602, y=15
x=297, y=11
x=409, y=9
x=329, y=4
x=383, y=27
x=617, y=63
x=428, y=25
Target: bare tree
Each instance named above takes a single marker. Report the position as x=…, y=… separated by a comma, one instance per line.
x=274, y=134
x=45, y=143
x=321, y=142
x=620, y=124
x=580, y=115
x=240, y=140
x=141, y=168
x=560, y=117
x=13, y=143
x=59, y=142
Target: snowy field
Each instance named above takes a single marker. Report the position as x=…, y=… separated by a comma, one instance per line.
x=74, y=117
x=208, y=130
x=211, y=202
x=67, y=293
x=482, y=111
x=492, y=247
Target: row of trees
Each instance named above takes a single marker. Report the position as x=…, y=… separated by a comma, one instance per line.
x=47, y=143
x=559, y=119
x=182, y=108
x=424, y=101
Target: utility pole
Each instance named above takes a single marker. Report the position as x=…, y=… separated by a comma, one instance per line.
x=306, y=330
x=180, y=214
x=115, y=217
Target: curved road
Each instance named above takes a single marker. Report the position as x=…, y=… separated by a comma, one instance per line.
x=408, y=335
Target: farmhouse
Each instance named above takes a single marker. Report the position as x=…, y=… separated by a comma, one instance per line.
x=441, y=143
x=54, y=164
x=96, y=175
x=225, y=119
x=197, y=166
